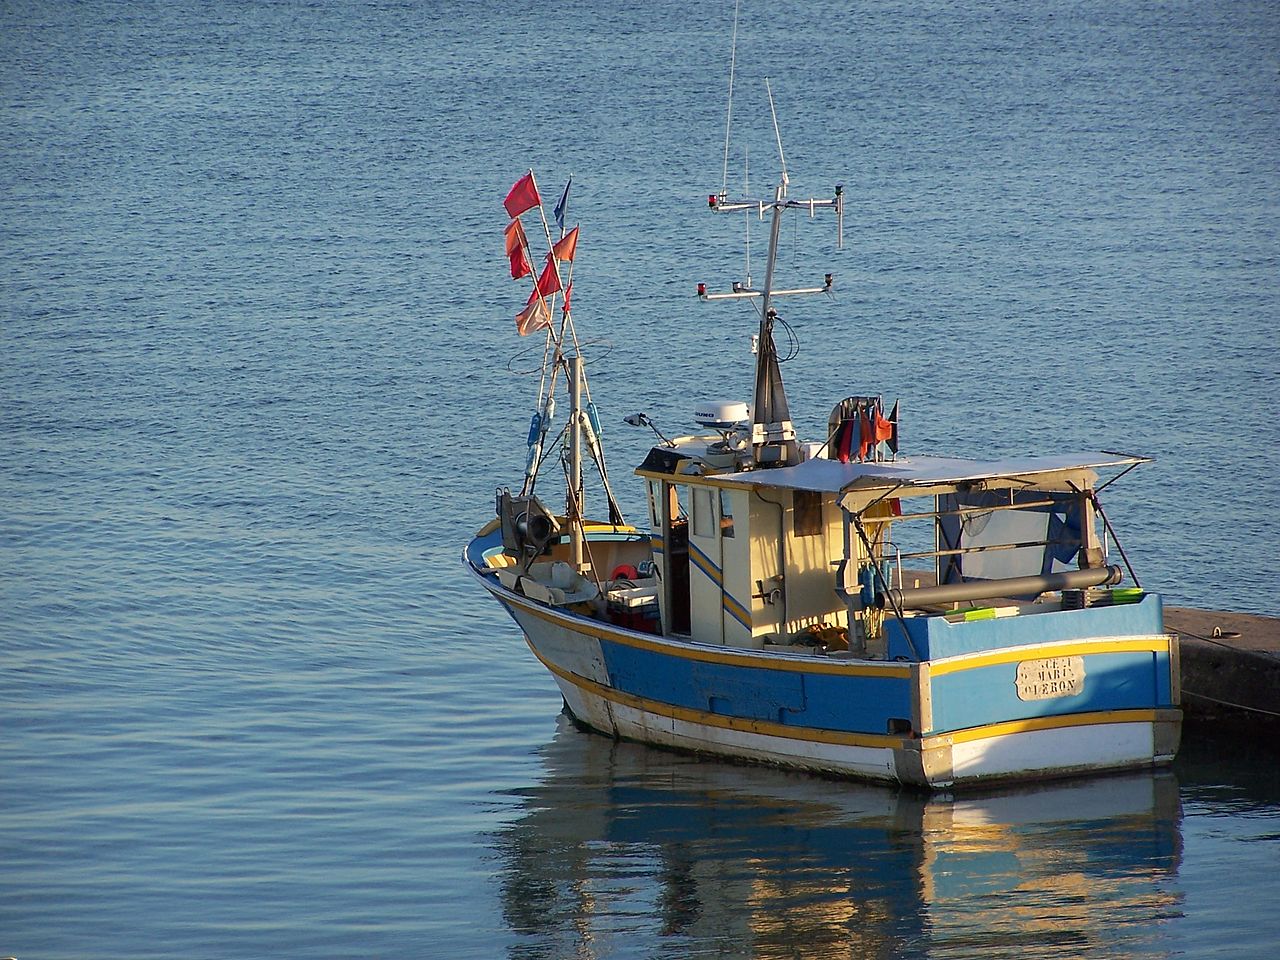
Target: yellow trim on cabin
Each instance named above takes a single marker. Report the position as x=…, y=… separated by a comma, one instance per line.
x=735, y=609
x=975, y=661
x=730, y=604
x=697, y=479
x=605, y=527
x=705, y=564
x=844, y=668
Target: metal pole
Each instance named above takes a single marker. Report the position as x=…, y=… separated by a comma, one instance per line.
x=574, y=505
x=775, y=229
x=992, y=589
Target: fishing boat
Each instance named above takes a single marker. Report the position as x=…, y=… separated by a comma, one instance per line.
x=832, y=604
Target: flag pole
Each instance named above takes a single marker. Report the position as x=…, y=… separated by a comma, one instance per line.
x=546, y=309
x=546, y=397
x=575, y=371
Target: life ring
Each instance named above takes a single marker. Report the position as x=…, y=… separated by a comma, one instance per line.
x=624, y=571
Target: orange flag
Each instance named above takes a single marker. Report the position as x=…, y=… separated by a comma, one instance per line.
x=516, y=244
x=523, y=196
x=566, y=245
x=883, y=428
x=514, y=232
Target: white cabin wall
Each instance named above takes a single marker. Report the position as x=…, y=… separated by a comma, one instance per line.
x=719, y=576
x=716, y=563
x=736, y=564
x=808, y=571
x=767, y=520
x=811, y=573
x=706, y=620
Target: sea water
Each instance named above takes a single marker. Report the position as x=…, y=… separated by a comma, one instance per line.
x=260, y=379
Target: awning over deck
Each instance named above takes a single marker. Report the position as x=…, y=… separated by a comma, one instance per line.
x=831, y=476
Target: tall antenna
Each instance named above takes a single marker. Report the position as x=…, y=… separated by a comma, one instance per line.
x=728, y=118
x=746, y=192
x=777, y=136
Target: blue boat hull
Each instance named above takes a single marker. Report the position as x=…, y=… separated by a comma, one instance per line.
x=943, y=722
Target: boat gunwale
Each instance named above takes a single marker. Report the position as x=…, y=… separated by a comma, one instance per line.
x=687, y=649
x=691, y=649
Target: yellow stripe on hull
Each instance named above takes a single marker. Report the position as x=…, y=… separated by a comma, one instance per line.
x=1011, y=727
x=974, y=661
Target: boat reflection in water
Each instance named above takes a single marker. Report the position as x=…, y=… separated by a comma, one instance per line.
x=623, y=850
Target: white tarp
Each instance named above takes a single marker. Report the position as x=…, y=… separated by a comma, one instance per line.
x=832, y=476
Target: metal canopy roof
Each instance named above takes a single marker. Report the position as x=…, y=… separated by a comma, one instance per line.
x=831, y=476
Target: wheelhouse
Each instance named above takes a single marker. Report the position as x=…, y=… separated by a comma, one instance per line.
x=847, y=556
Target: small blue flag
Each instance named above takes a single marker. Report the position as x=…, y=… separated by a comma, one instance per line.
x=563, y=205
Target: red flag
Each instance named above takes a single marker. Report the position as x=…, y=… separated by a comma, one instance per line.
x=865, y=430
x=843, y=440
x=523, y=196
x=568, y=292
x=516, y=245
x=566, y=245
x=519, y=264
x=533, y=317
x=549, y=282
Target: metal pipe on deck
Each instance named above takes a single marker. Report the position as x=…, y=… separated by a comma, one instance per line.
x=990, y=589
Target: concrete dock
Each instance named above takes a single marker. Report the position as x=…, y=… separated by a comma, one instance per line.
x=1230, y=665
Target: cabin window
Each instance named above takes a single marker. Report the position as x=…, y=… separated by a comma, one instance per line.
x=726, y=514
x=808, y=510
x=655, y=490
x=704, y=518
x=676, y=499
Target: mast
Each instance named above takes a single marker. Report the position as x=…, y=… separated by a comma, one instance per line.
x=584, y=424
x=773, y=437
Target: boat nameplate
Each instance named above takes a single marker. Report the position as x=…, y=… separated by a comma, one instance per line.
x=1050, y=678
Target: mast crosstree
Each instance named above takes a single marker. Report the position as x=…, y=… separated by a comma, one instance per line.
x=773, y=437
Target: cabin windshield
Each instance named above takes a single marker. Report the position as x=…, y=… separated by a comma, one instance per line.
x=1005, y=534
x=981, y=535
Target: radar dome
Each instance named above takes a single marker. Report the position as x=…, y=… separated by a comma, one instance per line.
x=720, y=414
